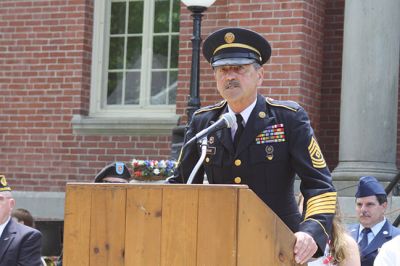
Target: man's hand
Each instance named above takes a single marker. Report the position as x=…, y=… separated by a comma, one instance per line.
x=304, y=248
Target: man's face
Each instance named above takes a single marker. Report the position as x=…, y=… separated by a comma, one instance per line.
x=7, y=203
x=369, y=211
x=238, y=84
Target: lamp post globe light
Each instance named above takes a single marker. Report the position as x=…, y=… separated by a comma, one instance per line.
x=201, y=3
x=197, y=7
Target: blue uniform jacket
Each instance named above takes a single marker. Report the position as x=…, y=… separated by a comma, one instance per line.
x=277, y=143
x=20, y=245
x=368, y=255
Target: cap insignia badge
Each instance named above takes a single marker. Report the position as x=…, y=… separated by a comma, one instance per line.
x=3, y=181
x=119, y=168
x=229, y=37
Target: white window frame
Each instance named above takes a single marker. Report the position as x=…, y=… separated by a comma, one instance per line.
x=125, y=119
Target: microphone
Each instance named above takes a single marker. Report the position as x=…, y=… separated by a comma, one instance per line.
x=226, y=120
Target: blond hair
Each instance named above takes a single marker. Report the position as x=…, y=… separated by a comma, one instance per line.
x=338, y=244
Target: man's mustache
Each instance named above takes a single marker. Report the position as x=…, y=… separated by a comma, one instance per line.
x=232, y=84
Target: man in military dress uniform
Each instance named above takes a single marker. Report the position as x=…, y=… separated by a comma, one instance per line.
x=271, y=142
x=374, y=229
x=19, y=244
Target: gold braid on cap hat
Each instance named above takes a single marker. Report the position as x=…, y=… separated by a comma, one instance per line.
x=238, y=45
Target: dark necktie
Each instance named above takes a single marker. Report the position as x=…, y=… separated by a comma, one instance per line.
x=239, y=130
x=364, y=240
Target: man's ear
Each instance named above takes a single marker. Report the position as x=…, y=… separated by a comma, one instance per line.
x=12, y=203
x=260, y=74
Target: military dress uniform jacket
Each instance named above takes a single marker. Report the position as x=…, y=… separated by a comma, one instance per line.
x=368, y=255
x=20, y=245
x=277, y=143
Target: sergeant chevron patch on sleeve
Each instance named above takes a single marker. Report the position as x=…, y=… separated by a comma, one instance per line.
x=317, y=158
x=321, y=204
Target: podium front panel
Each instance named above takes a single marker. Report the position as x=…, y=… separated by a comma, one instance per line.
x=149, y=224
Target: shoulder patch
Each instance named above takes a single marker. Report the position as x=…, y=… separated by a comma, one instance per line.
x=291, y=105
x=211, y=107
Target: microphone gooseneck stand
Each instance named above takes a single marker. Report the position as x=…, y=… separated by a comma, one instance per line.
x=203, y=144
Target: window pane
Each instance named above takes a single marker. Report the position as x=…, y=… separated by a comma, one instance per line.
x=174, y=51
x=161, y=16
x=158, y=90
x=117, y=18
x=114, y=91
x=160, y=52
x=134, y=53
x=127, y=37
x=135, y=20
x=116, y=56
x=173, y=84
x=132, y=91
x=175, y=16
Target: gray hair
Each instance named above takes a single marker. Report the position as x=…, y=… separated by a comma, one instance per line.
x=256, y=65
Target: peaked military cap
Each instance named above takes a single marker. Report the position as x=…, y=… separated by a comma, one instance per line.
x=3, y=184
x=369, y=186
x=116, y=169
x=236, y=46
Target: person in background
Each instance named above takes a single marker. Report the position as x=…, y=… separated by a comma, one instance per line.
x=389, y=254
x=116, y=172
x=269, y=144
x=19, y=244
x=373, y=229
x=23, y=216
x=342, y=249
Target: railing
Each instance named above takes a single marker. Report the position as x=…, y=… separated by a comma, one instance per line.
x=389, y=189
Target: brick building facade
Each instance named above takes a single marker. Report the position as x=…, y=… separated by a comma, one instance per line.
x=46, y=76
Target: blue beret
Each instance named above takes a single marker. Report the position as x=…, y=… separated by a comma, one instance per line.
x=236, y=46
x=117, y=169
x=369, y=186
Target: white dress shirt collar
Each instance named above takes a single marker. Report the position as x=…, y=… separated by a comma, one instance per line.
x=374, y=230
x=2, y=226
x=245, y=114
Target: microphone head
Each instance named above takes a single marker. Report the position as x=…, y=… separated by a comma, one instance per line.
x=230, y=119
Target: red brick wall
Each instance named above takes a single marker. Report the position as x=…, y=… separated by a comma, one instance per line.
x=45, y=59
x=295, y=31
x=331, y=81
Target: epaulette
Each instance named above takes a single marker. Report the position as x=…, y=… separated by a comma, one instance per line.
x=210, y=107
x=291, y=105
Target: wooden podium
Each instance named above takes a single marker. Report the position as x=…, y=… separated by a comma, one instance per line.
x=152, y=224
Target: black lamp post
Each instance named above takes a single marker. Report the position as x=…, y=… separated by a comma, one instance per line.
x=197, y=7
